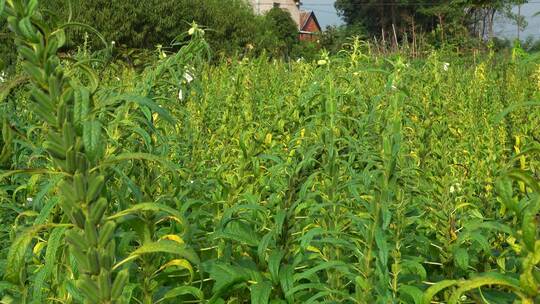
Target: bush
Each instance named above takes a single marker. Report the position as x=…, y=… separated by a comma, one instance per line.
x=284, y=29
x=8, y=54
x=230, y=24
x=334, y=37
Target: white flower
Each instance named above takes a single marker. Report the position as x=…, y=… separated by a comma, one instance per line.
x=30, y=199
x=3, y=77
x=180, y=94
x=191, y=182
x=455, y=188
x=445, y=66
x=188, y=77
x=113, y=43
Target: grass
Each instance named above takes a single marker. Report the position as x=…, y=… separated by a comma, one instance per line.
x=362, y=179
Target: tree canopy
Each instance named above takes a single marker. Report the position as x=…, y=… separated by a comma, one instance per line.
x=379, y=16
x=230, y=25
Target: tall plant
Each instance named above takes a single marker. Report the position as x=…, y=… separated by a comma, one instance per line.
x=76, y=142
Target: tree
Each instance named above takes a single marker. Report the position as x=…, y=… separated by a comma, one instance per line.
x=230, y=24
x=385, y=16
x=283, y=27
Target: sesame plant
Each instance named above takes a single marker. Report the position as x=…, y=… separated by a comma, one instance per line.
x=355, y=178
x=73, y=114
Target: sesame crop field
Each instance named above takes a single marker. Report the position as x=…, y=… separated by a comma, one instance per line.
x=355, y=178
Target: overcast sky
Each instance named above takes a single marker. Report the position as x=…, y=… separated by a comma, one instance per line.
x=327, y=15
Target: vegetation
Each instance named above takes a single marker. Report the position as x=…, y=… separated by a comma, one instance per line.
x=357, y=178
x=409, y=17
x=145, y=24
x=231, y=24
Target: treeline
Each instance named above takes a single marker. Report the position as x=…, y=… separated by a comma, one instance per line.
x=231, y=26
x=445, y=20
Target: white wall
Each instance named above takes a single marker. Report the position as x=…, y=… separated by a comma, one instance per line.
x=262, y=6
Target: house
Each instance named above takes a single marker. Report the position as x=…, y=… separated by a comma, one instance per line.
x=293, y=7
x=309, y=26
x=307, y=23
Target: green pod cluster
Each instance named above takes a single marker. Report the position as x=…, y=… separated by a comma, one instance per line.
x=89, y=288
x=95, y=185
x=120, y=282
x=97, y=210
x=6, y=141
x=65, y=107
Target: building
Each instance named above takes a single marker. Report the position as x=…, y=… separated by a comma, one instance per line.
x=307, y=23
x=293, y=7
x=309, y=26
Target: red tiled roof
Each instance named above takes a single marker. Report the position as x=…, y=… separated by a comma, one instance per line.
x=304, y=19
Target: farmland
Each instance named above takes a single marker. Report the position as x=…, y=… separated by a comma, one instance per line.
x=356, y=178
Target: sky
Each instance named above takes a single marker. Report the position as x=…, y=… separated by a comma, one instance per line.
x=327, y=15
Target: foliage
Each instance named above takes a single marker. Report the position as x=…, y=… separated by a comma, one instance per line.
x=283, y=27
x=231, y=24
x=334, y=37
x=411, y=17
x=356, y=178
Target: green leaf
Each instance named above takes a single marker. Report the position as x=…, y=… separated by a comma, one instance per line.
x=2, y=6
x=260, y=292
x=138, y=156
x=513, y=107
x=414, y=267
x=81, y=107
x=93, y=78
x=486, y=279
x=31, y=7
x=53, y=244
x=382, y=245
x=286, y=279
x=49, y=205
x=18, y=250
x=92, y=139
x=131, y=185
x=461, y=257
x=434, y=289
x=164, y=246
x=240, y=232
x=322, y=266
x=317, y=286
x=413, y=292
x=87, y=28
x=8, y=286
x=274, y=263
x=529, y=223
x=225, y=276
x=181, y=291
x=60, y=35
x=145, y=207
x=146, y=102
x=525, y=177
